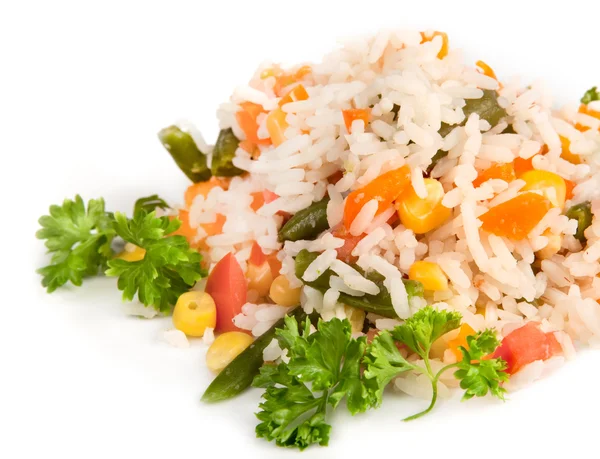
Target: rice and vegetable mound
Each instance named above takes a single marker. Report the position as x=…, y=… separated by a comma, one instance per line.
x=390, y=216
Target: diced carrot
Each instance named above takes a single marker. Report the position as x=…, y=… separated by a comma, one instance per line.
x=294, y=95
x=385, y=189
x=250, y=147
x=444, y=50
x=504, y=172
x=516, y=217
x=521, y=166
x=274, y=263
x=246, y=119
x=257, y=257
x=583, y=108
x=569, y=192
x=356, y=114
x=185, y=229
x=282, y=82
x=344, y=252
x=566, y=151
x=460, y=340
x=258, y=200
x=276, y=125
x=215, y=227
x=269, y=196
x=202, y=188
x=486, y=70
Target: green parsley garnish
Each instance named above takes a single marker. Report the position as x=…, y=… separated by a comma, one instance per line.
x=324, y=369
x=169, y=267
x=590, y=95
x=149, y=203
x=79, y=240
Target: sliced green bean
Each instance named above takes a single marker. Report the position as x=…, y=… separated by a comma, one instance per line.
x=238, y=375
x=306, y=224
x=185, y=153
x=223, y=154
x=379, y=304
x=583, y=214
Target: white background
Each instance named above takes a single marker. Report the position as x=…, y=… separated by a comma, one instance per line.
x=84, y=87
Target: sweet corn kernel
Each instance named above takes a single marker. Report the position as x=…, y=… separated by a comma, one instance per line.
x=423, y=214
x=282, y=294
x=131, y=253
x=429, y=274
x=276, y=125
x=553, y=186
x=356, y=318
x=225, y=348
x=566, y=151
x=259, y=278
x=194, y=312
x=552, y=248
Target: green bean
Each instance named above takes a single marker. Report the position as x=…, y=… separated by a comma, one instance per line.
x=486, y=107
x=223, y=154
x=379, y=304
x=583, y=214
x=306, y=224
x=185, y=153
x=238, y=375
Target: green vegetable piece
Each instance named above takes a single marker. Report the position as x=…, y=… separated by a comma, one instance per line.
x=185, y=153
x=149, y=203
x=79, y=240
x=324, y=369
x=306, y=224
x=590, y=95
x=223, y=154
x=169, y=267
x=379, y=304
x=486, y=107
x=583, y=214
x=238, y=375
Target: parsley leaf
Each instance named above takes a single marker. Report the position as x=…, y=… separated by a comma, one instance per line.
x=169, y=267
x=324, y=369
x=149, y=203
x=590, y=95
x=477, y=375
x=79, y=240
x=383, y=363
x=421, y=330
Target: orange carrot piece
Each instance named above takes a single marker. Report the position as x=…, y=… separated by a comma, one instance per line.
x=583, y=108
x=521, y=166
x=202, y=188
x=246, y=119
x=486, y=70
x=444, y=50
x=385, y=189
x=295, y=94
x=516, y=217
x=356, y=114
x=570, y=186
x=566, y=151
x=276, y=125
x=505, y=172
x=302, y=72
x=460, y=340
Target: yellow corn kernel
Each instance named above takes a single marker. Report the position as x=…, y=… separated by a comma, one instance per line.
x=194, y=312
x=356, y=318
x=429, y=274
x=282, y=294
x=131, y=253
x=566, y=151
x=276, y=125
x=552, y=186
x=423, y=214
x=461, y=340
x=225, y=348
x=259, y=278
x=552, y=248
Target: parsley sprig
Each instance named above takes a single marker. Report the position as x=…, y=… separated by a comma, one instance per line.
x=80, y=239
x=169, y=267
x=329, y=365
x=323, y=370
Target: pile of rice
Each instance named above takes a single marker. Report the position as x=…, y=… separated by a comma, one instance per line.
x=492, y=283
